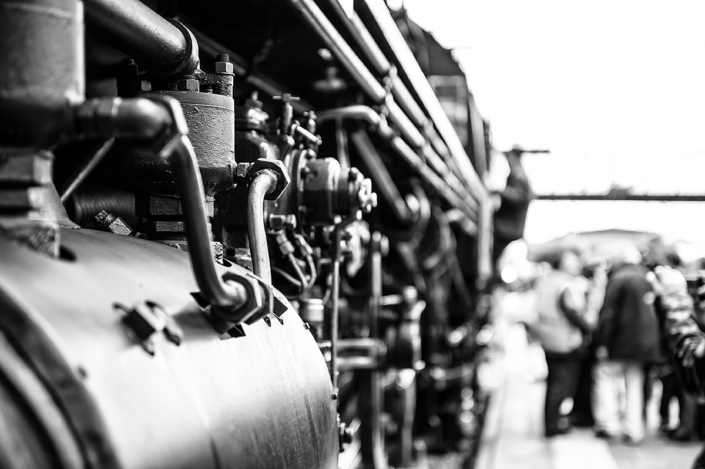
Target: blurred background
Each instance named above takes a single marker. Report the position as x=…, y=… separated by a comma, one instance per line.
x=612, y=89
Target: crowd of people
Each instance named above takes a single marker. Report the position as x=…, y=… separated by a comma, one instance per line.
x=608, y=333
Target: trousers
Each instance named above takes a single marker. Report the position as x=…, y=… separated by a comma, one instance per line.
x=561, y=383
x=615, y=379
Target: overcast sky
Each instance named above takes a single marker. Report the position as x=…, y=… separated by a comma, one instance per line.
x=614, y=88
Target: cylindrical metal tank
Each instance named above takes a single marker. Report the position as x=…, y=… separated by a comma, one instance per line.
x=41, y=69
x=260, y=399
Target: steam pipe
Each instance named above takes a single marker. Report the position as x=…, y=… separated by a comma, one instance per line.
x=162, y=117
x=342, y=51
x=264, y=182
x=188, y=183
x=408, y=130
x=430, y=177
x=163, y=47
x=382, y=68
x=367, y=114
x=354, y=66
x=380, y=174
x=379, y=13
x=408, y=103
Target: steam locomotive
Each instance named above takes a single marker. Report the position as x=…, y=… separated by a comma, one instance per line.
x=241, y=235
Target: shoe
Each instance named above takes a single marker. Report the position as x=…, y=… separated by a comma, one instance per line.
x=603, y=434
x=580, y=421
x=682, y=434
x=630, y=441
x=557, y=432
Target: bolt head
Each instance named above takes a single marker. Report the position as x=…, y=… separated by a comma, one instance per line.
x=277, y=222
x=224, y=68
x=145, y=85
x=188, y=84
x=241, y=171
x=130, y=68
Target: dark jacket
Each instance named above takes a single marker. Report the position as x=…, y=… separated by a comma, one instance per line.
x=628, y=327
x=685, y=347
x=510, y=219
x=684, y=339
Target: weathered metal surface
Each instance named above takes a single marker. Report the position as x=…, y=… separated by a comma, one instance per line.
x=261, y=400
x=41, y=69
x=162, y=46
x=211, y=121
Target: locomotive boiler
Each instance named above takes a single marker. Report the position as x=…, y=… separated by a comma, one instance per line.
x=239, y=235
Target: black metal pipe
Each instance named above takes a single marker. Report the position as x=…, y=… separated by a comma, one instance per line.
x=362, y=38
x=163, y=47
x=352, y=63
x=377, y=12
x=408, y=103
x=412, y=112
x=453, y=194
x=140, y=118
x=380, y=175
x=315, y=18
x=431, y=178
x=158, y=118
x=187, y=176
x=407, y=129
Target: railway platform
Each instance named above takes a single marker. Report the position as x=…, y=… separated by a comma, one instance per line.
x=513, y=433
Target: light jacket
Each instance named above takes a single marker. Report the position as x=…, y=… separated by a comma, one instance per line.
x=556, y=331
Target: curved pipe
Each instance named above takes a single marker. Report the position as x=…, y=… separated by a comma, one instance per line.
x=140, y=118
x=158, y=45
x=162, y=117
x=407, y=114
x=264, y=182
x=190, y=188
x=357, y=111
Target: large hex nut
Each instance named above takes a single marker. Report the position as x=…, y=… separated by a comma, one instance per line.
x=223, y=68
x=278, y=168
x=188, y=84
x=254, y=302
x=241, y=172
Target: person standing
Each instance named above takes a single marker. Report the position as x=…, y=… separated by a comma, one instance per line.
x=686, y=341
x=627, y=338
x=561, y=329
x=510, y=218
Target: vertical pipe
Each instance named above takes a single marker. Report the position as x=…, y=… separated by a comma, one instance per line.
x=335, y=310
x=263, y=183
